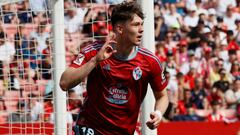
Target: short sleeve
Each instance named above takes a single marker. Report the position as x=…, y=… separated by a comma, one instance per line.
x=85, y=55
x=158, y=80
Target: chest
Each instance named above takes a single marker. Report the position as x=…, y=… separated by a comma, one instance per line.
x=123, y=71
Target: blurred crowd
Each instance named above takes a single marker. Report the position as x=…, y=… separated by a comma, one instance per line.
x=197, y=42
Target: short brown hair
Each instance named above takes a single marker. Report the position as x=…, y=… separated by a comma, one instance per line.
x=125, y=11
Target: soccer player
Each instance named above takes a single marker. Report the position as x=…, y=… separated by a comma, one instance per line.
x=118, y=72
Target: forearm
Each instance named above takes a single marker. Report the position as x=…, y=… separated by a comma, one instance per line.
x=157, y=31
x=162, y=102
x=73, y=76
x=160, y=108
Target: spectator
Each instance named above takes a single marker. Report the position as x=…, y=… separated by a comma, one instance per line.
x=182, y=86
x=74, y=17
x=191, y=19
x=223, y=53
x=3, y=111
x=221, y=6
x=113, y=2
x=232, y=58
x=182, y=52
x=21, y=44
x=215, y=116
x=21, y=115
x=38, y=6
x=40, y=36
x=74, y=104
x=191, y=63
x=48, y=107
x=173, y=18
x=232, y=96
x=7, y=50
x=172, y=90
x=203, y=43
x=7, y=14
x=171, y=66
x=160, y=28
x=235, y=69
x=160, y=51
x=199, y=95
x=217, y=94
x=190, y=116
x=2, y=105
x=195, y=35
x=190, y=77
x=2, y=89
x=212, y=20
x=214, y=71
x=231, y=40
x=200, y=8
x=170, y=45
x=237, y=31
x=36, y=107
x=24, y=13
x=1, y=71
x=101, y=27
x=224, y=78
x=186, y=99
x=230, y=18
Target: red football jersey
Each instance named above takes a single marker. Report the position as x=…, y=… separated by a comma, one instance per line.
x=116, y=88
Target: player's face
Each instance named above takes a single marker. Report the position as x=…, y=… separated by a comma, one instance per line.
x=133, y=30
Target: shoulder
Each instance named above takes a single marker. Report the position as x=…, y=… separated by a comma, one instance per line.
x=9, y=44
x=94, y=46
x=150, y=56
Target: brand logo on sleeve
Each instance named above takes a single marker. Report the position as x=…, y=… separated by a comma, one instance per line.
x=137, y=73
x=107, y=67
x=79, y=59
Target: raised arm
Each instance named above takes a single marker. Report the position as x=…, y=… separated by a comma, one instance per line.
x=73, y=76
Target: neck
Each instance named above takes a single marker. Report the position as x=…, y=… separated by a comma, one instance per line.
x=124, y=50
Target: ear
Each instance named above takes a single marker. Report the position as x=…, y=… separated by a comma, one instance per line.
x=119, y=28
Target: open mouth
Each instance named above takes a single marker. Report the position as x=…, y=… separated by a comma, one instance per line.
x=139, y=37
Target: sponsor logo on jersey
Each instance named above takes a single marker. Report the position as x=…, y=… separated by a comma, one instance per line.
x=118, y=94
x=79, y=59
x=137, y=73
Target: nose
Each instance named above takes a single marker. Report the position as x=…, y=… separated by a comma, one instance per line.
x=141, y=29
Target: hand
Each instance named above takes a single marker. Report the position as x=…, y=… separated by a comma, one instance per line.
x=159, y=21
x=154, y=121
x=107, y=49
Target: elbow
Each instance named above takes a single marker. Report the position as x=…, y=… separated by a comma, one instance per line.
x=63, y=85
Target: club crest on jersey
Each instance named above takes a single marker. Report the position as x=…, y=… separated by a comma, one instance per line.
x=79, y=59
x=137, y=73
